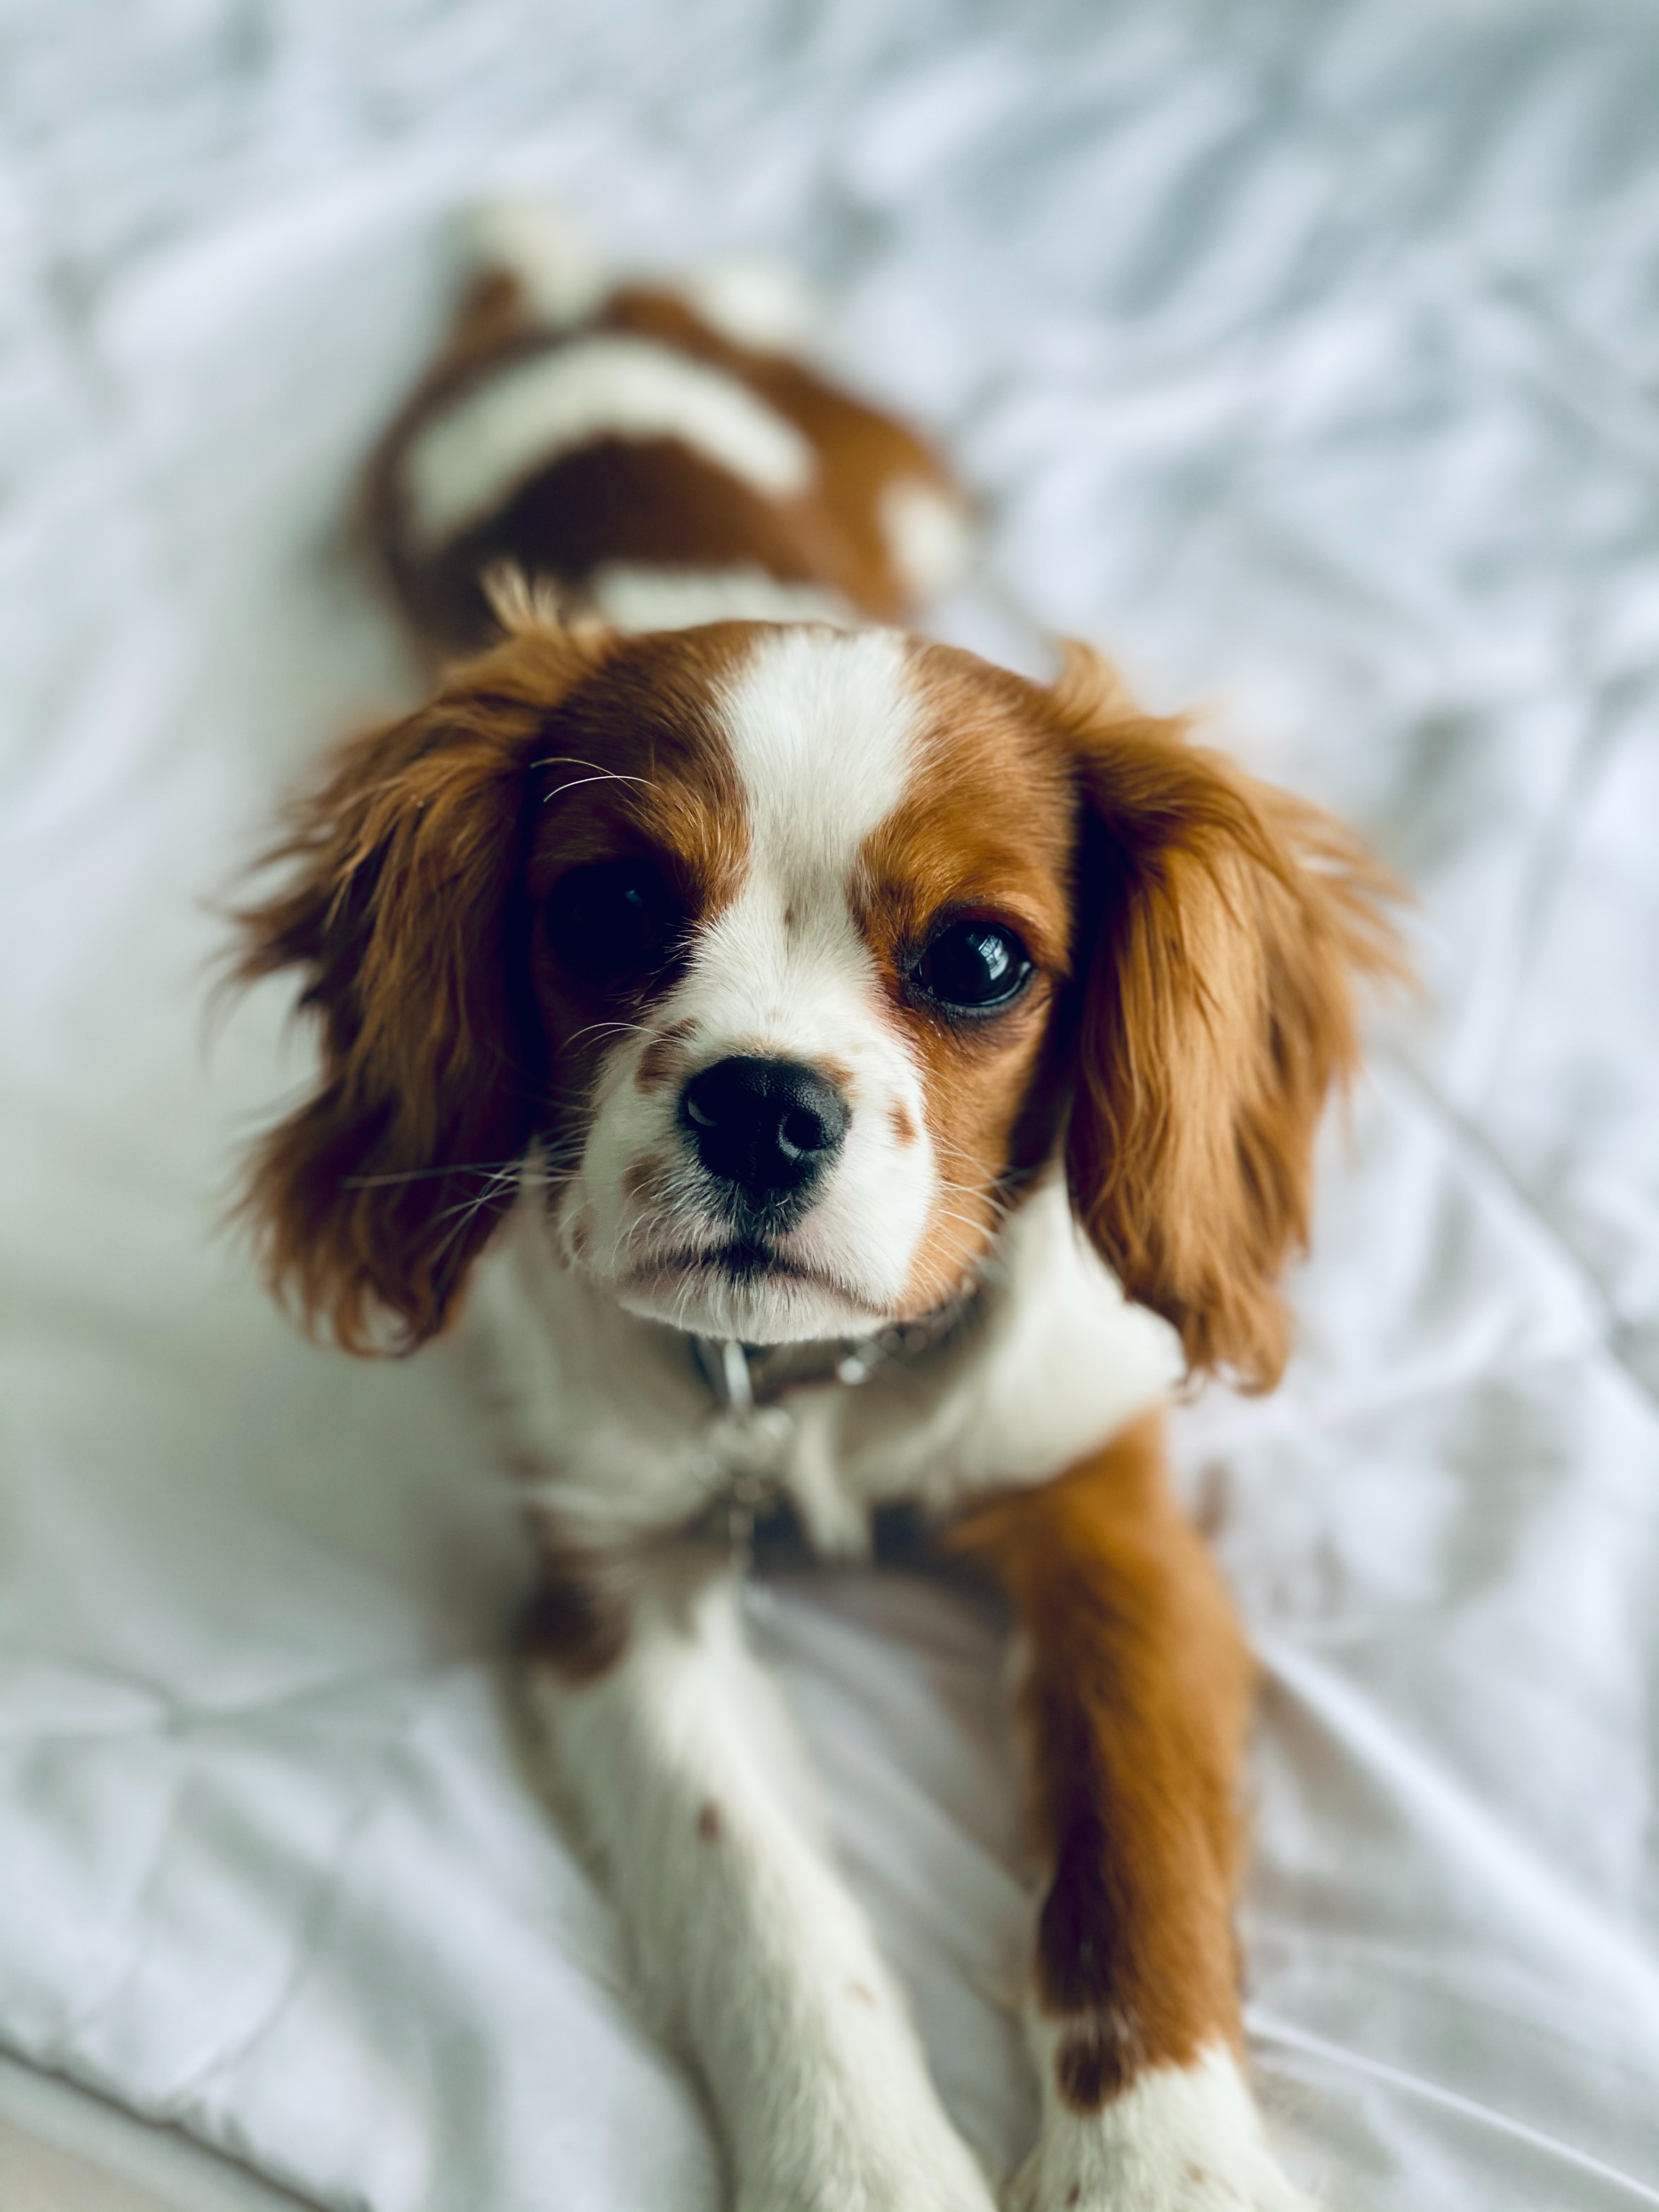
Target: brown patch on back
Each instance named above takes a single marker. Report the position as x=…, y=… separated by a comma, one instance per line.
x=654, y=502
x=861, y=451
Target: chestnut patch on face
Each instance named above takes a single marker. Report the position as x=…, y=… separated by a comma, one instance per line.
x=636, y=836
x=963, y=898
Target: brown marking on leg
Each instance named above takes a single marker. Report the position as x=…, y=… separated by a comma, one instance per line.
x=1089, y=2067
x=708, y=1821
x=1135, y=1704
x=862, y=1991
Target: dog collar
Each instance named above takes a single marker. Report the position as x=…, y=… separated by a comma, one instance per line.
x=744, y=1378
x=753, y=1424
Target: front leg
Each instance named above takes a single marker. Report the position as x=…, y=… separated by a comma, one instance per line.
x=1135, y=1697
x=675, y=1749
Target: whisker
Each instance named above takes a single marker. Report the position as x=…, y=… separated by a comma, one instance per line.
x=594, y=1028
x=600, y=776
x=497, y=1168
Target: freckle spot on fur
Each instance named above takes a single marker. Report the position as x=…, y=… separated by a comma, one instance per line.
x=1087, y=2069
x=904, y=1128
x=661, y=1059
x=862, y=1991
x=640, y=1182
x=573, y=1624
x=708, y=1821
x=1075, y=2192
x=657, y=1064
x=1197, y=2175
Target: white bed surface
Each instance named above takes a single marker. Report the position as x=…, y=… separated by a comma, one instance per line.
x=1308, y=358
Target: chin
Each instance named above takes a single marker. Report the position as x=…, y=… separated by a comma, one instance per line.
x=730, y=1293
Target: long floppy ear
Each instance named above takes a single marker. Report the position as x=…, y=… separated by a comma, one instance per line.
x=1229, y=923
x=372, y=1200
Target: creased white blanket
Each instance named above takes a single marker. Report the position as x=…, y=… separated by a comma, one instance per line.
x=1305, y=356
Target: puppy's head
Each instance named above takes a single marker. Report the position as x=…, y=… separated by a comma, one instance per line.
x=776, y=962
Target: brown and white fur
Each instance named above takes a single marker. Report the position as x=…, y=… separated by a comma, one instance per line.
x=1100, y=1178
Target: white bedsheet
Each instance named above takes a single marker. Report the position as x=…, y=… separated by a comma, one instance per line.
x=1305, y=356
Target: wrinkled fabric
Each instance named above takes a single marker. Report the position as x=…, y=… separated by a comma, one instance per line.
x=1306, y=358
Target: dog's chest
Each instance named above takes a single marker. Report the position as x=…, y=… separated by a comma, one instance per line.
x=626, y=1431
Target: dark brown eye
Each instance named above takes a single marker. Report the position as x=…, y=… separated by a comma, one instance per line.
x=614, y=922
x=974, y=967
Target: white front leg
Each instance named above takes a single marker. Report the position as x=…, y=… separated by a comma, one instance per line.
x=680, y=1761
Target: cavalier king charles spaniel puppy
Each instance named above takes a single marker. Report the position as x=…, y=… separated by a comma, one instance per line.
x=849, y=1083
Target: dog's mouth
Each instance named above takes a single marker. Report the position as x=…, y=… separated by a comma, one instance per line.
x=742, y=1275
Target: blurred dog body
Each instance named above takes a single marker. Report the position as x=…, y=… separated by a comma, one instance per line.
x=841, y=1075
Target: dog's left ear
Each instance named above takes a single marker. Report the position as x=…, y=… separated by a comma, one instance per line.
x=1225, y=926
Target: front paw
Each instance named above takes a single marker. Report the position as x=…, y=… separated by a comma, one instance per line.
x=929, y=2170
x=1178, y=2139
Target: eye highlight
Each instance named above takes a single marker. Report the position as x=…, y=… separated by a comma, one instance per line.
x=973, y=967
x=614, y=922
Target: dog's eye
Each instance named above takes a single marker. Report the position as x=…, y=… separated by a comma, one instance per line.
x=974, y=967
x=613, y=922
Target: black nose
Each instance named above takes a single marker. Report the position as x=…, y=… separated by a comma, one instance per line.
x=765, y=1126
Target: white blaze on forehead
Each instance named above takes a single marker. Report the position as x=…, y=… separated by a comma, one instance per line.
x=474, y=455
x=824, y=729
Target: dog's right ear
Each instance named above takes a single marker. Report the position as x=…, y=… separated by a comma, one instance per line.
x=372, y=1200
x=1231, y=926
